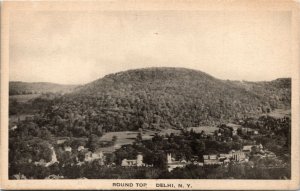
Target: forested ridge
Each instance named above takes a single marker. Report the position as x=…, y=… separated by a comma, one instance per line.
x=156, y=98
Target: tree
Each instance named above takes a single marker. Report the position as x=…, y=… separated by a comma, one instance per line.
x=110, y=158
x=160, y=160
x=45, y=134
x=76, y=143
x=114, y=139
x=93, y=142
x=139, y=138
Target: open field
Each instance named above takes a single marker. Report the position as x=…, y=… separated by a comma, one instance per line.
x=13, y=119
x=279, y=113
x=123, y=138
x=23, y=98
x=169, y=131
x=206, y=129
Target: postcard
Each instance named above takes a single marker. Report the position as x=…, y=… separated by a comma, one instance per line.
x=150, y=95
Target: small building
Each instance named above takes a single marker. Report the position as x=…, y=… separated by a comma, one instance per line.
x=234, y=132
x=14, y=127
x=247, y=148
x=60, y=141
x=197, y=163
x=229, y=155
x=213, y=157
x=68, y=149
x=205, y=157
x=80, y=148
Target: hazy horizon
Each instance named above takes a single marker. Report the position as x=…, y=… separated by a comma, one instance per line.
x=79, y=47
x=134, y=69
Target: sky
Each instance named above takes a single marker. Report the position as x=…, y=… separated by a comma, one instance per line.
x=81, y=46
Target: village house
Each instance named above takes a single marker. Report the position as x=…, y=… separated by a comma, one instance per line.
x=14, y=127
x=247, y=148
x=211, y=160
x=197, y=163
x=249, y=131
x=80, y=148
x=61, y=141
x=68, y=149
x=138, y=162
x=172, y=163
x=225, y=156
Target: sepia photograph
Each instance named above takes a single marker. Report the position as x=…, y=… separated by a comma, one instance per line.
x=127, y=93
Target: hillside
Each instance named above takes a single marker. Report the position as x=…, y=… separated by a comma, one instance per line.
x=277, y=91
x=158, y=98
x=18, y=88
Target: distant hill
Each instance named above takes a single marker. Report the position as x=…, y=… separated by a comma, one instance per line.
x=18, y=88
x=170, y=97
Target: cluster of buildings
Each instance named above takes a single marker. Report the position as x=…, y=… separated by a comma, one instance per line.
x=88, y=156
x=235, y=156
x=136, y=162
x=85, y=155
x=208, y=160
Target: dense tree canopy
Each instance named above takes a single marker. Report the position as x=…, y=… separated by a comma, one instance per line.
x=161, y=98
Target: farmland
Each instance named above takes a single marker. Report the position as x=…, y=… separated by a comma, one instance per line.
x=169, y=131
x=279, y=113
x=123, y=138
